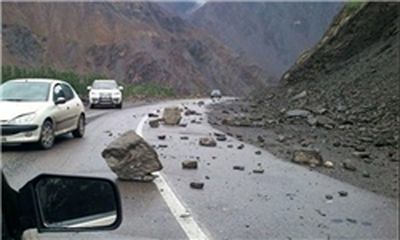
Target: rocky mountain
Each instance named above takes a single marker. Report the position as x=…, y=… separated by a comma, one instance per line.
x=340, y=99
x=134, y=42
x=269, y=34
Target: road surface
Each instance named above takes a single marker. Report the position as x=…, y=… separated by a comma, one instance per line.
x=287, y=201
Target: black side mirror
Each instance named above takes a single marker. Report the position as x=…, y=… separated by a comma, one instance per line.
x=70, y=204
x=60, y=100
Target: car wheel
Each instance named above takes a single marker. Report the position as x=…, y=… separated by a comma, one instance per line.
x=47, y=135
x=119, y=105
x=80, y=129
x=91, y=106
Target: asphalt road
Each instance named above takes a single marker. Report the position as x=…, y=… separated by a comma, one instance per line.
x=287, y=201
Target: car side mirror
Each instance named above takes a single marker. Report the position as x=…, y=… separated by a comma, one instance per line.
x=60, y=100
x=71, y=203
x=89, y=88
x=121, y=88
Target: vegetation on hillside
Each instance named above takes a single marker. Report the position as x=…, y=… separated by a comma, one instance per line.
x=81, y=81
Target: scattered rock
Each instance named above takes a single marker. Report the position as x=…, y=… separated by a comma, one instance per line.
x=182, y=125
x=299, y=96
x=221, y=138
x=172, y=115
x=297, y=113
x=281, y=138
x=197, y=185
x=207, y=142
x=258, y=152
x=308, y=157
x=325, y=122
x=240, y=168
x=184, y=138
x=230, y=146
x=188, y=164
x=190, y=112
x=154, y=123
x=343, y=193
x=200, y=103
x=162, y=137
x=365, y=174
x=337, y=144
x=348, y=165
x=361, y=154
x=258, y=171
x=240, y=147
x=152, y=115
x=350, y=220
x=260, y=139
x=132, y=158
x=329, y=197
x=328, y=164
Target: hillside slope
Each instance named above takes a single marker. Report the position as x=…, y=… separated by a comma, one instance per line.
x=269, y=34
x=341, y=98
x=132, y=42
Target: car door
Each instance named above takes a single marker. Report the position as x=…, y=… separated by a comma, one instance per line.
x=73, y=107
x=60, y=113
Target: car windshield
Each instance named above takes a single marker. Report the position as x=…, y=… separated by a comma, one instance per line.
x=104, y=85
x=24, y=91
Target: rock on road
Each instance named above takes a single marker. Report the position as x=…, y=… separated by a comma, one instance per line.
x=282, y=201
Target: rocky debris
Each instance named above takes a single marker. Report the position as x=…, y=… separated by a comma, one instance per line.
x=366, y=174
x=221, y=138
x=300, y=113
x=328, y=164
x=162, y=137
x=257, y=152
x=329, y=197
x=200, y=103
x=197, y=185
x=207, y=142
x=281, y=138
x=258, y=171
x=240, y=147
x=132, y=158
x=162, y=146
x=184, y=138
x=299, y=96
x=343, y=193
x=240, y=168
x=190, y=112
x=152, y=115
x=260, y=139
x=307, y=157
x=172, y=115
x=154, y=123
x=325, y=122
x=348, y=165
x=189, y=164
x=230, y=146
x=361, y=154
x=350, y=220
x=182, y=125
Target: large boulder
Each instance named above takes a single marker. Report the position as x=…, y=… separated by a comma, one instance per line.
x=309, y=157
x=131, y=158
x=172, y=115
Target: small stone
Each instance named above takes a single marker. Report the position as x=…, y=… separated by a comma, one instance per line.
x=329, y=197
x=207, y=142
x=258, y=152
x=188, y=164
x=154, y=123
x=230, y=146
x=152, y=115
x=365, y=174
x=258, y=171
x=240, y=147
x=361, y=154
x=221, y=138
x=197, y=185
x=281, y=138
x=337, y=144
x=207, y=177
x=343, y=193
x=328, y=164
x=348, y=165
x=350, y=220
x=307, y=156
x=184, y=138
x=240, y=168
x=260, y=139
x=161, y=137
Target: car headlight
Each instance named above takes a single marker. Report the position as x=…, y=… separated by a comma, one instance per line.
x=116, y=94
x=23, y=118
x=94, y=94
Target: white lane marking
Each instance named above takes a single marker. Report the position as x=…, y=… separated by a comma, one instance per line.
x=181, y=213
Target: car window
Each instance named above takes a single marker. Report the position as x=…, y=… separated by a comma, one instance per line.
x=58, y=92
x=69, y=94
x=104, y=85
x=24, y=91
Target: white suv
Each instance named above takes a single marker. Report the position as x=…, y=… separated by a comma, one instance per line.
x=105, y=92
x=38, y=110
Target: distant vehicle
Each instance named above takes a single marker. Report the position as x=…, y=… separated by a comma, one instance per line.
x=38, y=110
x=216, y=94
x=105, y=92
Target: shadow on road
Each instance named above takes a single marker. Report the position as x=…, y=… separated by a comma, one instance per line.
x=27, y=147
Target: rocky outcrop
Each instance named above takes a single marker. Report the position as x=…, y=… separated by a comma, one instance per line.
x=131, y=158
